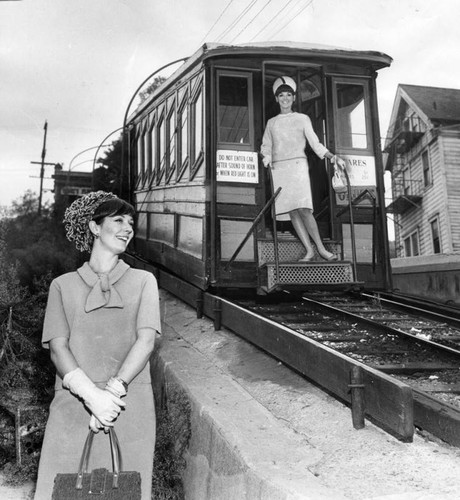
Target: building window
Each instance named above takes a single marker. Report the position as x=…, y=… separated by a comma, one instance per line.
x=411, y=245
x=406, y=182
x=427, y=179
x=435, y=235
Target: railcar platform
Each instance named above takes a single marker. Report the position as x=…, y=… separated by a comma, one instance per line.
x=260, y=431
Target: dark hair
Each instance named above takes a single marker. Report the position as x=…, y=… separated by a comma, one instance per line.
x=112, y=208
x=284, y=88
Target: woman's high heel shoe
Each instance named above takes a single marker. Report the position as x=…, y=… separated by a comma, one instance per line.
x=331, y=258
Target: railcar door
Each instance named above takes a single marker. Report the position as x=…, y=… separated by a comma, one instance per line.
x=310, y=100
x=354, y=134
x=237, y=188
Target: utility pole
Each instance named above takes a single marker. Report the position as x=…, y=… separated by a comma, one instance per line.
x=42, y=169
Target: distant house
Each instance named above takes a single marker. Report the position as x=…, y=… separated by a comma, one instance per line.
x=423, y=156
x=68, y=186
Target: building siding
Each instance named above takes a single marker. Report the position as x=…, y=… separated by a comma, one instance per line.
x=451, y=148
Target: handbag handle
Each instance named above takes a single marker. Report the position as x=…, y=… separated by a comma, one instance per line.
x=117, y=463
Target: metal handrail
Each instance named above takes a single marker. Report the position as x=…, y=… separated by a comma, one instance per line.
x=352, y=224
x=265, y=208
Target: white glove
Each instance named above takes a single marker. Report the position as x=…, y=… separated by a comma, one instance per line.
x=96, y=426
x=339, y=162
x=104, y=405
x=117, y=387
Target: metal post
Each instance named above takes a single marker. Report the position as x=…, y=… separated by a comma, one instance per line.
x=217, y=314
x=357, y=397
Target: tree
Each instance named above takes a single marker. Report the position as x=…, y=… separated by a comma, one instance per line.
x=28, y=204
x=110, y=176
x=150, y=89
x=22, y=363
x=36, y=244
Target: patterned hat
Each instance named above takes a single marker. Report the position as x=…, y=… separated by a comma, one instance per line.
x=78, y=216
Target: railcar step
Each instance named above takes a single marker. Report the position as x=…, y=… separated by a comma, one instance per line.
x=306, y=273
x=290, y=249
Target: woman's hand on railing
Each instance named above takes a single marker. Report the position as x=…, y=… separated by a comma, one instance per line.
x=336, y=160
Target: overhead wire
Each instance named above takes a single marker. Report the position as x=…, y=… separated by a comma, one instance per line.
x=271, y=20
x=236, y=21
x=217, y=20
x=252, y=20
x=292, y=18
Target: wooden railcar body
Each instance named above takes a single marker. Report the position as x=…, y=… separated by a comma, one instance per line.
x=196, y=178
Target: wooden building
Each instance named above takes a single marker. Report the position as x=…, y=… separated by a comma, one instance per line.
x=423, y=156
x=68, y=186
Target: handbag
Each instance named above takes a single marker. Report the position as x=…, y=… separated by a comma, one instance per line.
x=339, y=183
x=99, y=483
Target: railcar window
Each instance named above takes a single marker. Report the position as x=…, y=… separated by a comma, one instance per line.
x=233, y=110
x=147, y=157
x=171, y=153
x=351, y=116
x=153, y=150
x=140, y=158
x=161, y=149
x=197, y=141
x=183, y=131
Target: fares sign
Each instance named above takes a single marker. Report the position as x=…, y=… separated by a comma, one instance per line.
x=361, y=172
x=237, y=166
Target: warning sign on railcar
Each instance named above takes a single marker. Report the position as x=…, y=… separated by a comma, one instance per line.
x=237, y=166
x=361, y=172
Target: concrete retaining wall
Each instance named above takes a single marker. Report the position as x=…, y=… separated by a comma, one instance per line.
x=235, y=448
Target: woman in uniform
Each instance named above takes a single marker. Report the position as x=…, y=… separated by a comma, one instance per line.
x=283, y=150
x=100, y=327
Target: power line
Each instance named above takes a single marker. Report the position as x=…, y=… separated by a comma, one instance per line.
x=217, y=20
x=292, y=18
x=286, y=13
x=236, y=21
x=271, y=20
x=251, y=21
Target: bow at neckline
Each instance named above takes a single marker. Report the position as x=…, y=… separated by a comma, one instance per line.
x=102, y=293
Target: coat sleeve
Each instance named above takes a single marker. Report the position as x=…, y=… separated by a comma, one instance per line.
x=312, y=138
x=55, y=323
x=148, y=315
x=267, y=145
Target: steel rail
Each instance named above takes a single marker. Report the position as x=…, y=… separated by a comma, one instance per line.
x=388, y=402
x=380, y=326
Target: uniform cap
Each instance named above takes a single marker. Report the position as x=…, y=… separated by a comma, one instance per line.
x=284, y=84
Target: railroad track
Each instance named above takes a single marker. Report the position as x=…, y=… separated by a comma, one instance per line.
x=351, y=344
x=419, y=347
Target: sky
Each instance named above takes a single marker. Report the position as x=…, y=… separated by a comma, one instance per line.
x=77, y=63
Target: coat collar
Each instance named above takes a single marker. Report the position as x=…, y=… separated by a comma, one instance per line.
x=102, y=293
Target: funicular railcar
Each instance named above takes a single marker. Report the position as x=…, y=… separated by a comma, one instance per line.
x=198, y=185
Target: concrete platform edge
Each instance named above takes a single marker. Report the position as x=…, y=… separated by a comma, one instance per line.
x=237, y=448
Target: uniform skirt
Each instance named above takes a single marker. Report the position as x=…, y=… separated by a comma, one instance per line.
x=67, y=429
x=294, y=179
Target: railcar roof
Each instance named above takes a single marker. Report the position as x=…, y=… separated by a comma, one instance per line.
x=377, y=60
x=209, y=50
